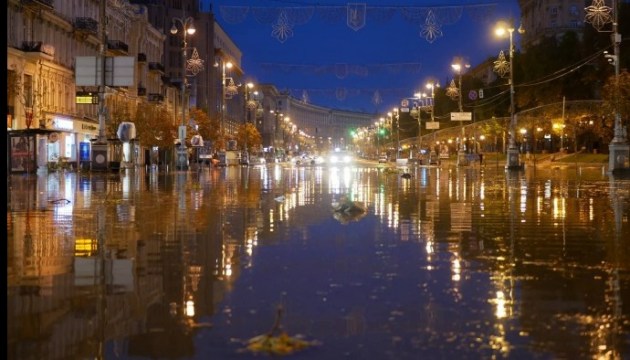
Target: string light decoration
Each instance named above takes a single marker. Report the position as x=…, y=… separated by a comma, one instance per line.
x=501, y=65
x=283, y=20
x=452, y=90
x=195, y=64
x=231, y=88
x=431, y=29
x=598, y=14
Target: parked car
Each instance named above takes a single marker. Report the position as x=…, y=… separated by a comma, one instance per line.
x=382, y=159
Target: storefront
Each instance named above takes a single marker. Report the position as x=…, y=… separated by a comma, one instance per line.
x=71, y=145
x=27, y=149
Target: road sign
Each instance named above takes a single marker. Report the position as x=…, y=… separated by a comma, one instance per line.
x=432, y=125
x=461, y=116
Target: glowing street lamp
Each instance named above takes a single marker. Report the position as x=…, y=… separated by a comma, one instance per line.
x=500, y=66
x=188, y=28
x=458, y=67
x=599, y=15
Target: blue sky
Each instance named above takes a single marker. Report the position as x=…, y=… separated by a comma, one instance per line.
x=388, y=56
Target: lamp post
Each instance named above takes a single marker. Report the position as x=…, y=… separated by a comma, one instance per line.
x=458, y=66
x=513, y=161
x=188, y=28
x=250, y=104
x=599, y=15
x=416, y=113
x=224, y=94
x=397, y=117
x=431, y=86
x=378, y=135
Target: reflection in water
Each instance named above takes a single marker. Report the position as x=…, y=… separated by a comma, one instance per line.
x=450, y=262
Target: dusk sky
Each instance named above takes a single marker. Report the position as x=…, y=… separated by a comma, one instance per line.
x=367, y=64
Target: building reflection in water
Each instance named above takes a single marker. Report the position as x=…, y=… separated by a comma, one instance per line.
x=137, y=263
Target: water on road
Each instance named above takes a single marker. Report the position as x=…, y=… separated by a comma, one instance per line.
x=443, y=263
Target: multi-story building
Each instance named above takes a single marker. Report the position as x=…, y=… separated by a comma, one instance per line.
x=56, y=119
x=545, y=18
x=46, y=110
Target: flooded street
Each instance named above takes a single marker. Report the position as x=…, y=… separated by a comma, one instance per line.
x=445, y=263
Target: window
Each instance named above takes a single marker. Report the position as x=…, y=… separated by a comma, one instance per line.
x=28, y=91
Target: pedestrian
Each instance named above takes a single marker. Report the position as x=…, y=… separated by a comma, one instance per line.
x=480, y=159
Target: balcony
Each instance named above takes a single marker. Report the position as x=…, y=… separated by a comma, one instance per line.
x=86, y=25
x=117, y=47
x=142, y=58
x=39, y=4
x=38, y=47
x=157, y=67
x=142, y=91
x=156, y=98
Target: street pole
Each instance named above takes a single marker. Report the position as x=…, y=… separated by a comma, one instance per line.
x=432, y=86
x=187, y=29
x=397, y=116
x=513, y=161
x=461, y=153
x=224, y=94
x=100, y=157
x=619, y=149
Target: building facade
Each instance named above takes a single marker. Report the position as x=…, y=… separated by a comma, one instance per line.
x=51, y=119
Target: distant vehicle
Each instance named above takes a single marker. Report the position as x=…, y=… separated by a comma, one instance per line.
x=340, y=157
x=307, y=159
x=382, y=159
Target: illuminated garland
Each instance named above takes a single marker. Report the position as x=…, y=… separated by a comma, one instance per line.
x=283, y=20
x=343, y=70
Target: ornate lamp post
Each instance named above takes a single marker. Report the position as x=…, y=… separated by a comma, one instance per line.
x=250, y=104
x=500, y=66
x=458, y=66
x=228, y=89
x=188, y=28
x=599, y=15
x=378, y=135
x=431, y=86
x=396, y=116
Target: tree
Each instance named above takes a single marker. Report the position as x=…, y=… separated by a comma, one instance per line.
x=28, y=91
x=205, y=126
x=617, y=96
x=154, y=126
x=248, y=136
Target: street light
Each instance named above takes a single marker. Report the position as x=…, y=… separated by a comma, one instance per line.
x=250, y=104
x=513, y=162
x=599, y=15
x=227, y=91
x=431, y=86
x=188, y=28
x=378, y=135
x=394, y=114
x=458, y=66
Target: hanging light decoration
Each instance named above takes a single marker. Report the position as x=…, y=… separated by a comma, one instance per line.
x=452, y=90
x=501, y=65
x=231, y=89
x=195, y=63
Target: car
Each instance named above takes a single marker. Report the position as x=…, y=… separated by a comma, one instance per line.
x=382, y=159
x=340, y=157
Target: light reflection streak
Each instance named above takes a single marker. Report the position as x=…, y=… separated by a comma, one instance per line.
x=559, y=209
x=456, y=267
x=523, y=198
